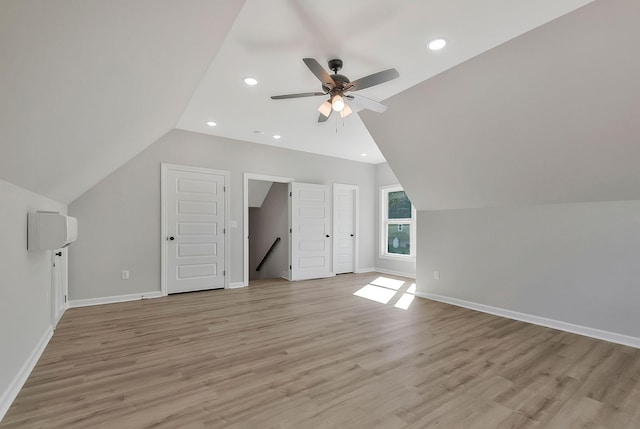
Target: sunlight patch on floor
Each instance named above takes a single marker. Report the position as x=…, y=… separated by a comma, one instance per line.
x=405, y=301
x=376, y=293
x=412, y=288
x=383, y=290
x=388, y=283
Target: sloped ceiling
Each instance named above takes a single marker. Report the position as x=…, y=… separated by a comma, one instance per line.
x=86, y=85
x=551, y=116
x=258, y=190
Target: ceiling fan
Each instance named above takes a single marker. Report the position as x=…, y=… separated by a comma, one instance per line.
x=337, y=86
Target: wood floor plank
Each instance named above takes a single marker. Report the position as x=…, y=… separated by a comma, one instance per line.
x=312, y=354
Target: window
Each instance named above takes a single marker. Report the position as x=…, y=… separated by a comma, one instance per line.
x=398, y=220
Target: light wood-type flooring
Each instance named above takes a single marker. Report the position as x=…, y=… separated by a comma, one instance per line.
x=314, y=355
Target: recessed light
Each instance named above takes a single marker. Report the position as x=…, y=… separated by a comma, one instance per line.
x=277, y=136
x=211, y=123
x=251, y=81
x=363, y=154
x=437, y=44
x=258, y=132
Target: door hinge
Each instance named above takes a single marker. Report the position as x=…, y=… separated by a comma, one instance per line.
x=224, y=189
x=289, y=266
x=290, y=231
x=290, y=194
x=224, y=272
x=65, y=298
x=224, y=230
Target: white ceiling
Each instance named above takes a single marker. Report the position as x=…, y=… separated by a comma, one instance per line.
x=87, y=85
x=549, y=117
x=269, y=39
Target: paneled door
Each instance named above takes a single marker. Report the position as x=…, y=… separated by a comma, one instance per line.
x=344, y=228
x=310, y=221
x=195, y=228
x=58, y=285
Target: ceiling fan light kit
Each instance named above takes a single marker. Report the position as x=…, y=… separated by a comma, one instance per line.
x=346, y=111
x=337, y=86
x=325, y=108
x=337, y=104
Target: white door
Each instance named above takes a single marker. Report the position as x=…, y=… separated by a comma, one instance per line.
x=310, y=242
x=58, y=285
x=195, y=230
x=344, y=228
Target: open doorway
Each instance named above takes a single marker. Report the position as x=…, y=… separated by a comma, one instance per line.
x=268, y=230
x=265, y=219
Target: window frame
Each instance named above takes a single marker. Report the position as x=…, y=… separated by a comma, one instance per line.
x=384, y=226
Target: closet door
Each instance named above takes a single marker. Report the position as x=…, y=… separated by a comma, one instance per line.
x=310, y=226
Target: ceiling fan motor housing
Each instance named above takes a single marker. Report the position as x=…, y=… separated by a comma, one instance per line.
x=341, y=82
x=335, y=65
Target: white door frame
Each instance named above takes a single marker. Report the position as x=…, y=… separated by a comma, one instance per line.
x=164, y=168
x=245, y=214
x=356, y=224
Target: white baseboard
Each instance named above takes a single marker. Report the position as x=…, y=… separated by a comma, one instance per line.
x=599, y=334
x=236, y=285
x=364, y=270
x=396, y=273
x=18, y=381
x=112, y=299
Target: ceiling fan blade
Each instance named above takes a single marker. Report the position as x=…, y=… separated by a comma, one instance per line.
x=302, y=94
x=319, y=72
x=366, y=103
x=373, y=79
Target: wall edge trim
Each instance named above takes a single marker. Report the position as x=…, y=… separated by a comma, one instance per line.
x=113, y=299
x=586, y=331
x=395, y=273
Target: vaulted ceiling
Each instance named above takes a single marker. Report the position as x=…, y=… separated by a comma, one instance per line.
x=552, y=116
x=85, y=86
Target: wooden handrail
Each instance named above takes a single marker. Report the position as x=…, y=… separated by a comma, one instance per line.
x=277, y=240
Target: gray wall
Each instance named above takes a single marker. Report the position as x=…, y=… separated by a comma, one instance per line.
x=549, y=117
x=25, y=291
x=120, y=216
x=265, y=224
x=385, y=176
x=575, y=263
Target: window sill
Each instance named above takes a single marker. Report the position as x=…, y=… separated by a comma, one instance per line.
x=403, y=258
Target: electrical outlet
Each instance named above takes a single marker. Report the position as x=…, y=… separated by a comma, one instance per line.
x=125, y=274
x=436, y=275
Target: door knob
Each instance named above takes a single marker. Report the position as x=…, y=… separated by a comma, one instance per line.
x=327, y=235
x=351, y=235
x=58, y=253
x=172, y=238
